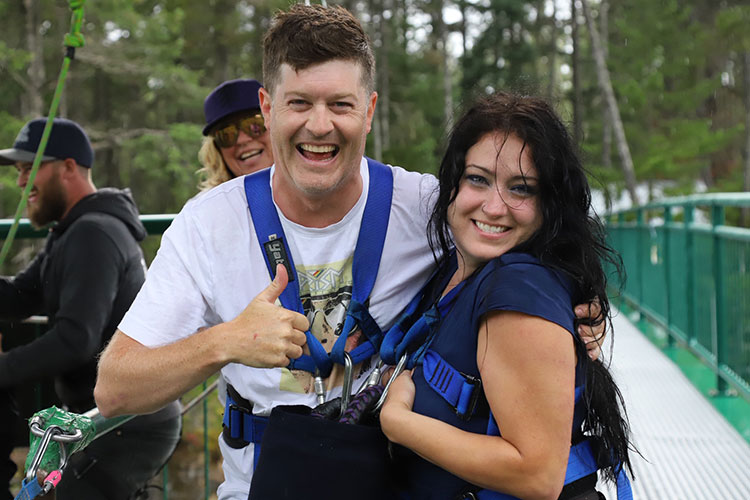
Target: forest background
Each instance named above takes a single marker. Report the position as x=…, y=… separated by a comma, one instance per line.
x=680, y=71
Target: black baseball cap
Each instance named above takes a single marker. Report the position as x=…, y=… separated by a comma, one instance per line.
x=67, y=140
x=228, y=98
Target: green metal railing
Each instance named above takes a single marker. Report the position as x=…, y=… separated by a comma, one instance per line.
x=687, y=267
x=155, y=225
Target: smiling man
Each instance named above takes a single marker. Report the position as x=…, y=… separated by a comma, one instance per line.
x=207, y=304
x=84, y=280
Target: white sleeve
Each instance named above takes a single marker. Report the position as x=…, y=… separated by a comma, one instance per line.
x=176, y=298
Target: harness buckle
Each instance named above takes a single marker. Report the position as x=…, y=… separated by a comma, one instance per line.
x=241, y=409
x=235, y=438
x=476, y=384
x=244, y=411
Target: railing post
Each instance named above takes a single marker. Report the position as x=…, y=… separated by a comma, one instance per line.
x=621, y=236
x=639, y=260
x=617, y=242
x=667, y=274
x=687, y=210
x=720, y=340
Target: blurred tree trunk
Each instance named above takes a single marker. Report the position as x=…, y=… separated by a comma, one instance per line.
x=605, y=84
x=375, y=27
x=746, y=150
x=222, y=69
x=33, y=102
x=463, y=30
x=552, y=86
x=544, y=33
x=447, y=87
x=718, y=107
x=746, y=100
x=462, y=4
x=606, y=120
x=440, y=45
x=384, y=81
x=63, y=19
x=576, y=70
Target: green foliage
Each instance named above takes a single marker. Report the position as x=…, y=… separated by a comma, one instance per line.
x=12, y=59
x=417, y=122
x=665, y=63
x=732, y=25
x=504, y=54
x=139, y=82
x=10, y=194
x=154, y=161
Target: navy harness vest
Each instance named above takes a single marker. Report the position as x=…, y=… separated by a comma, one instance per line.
x=449, y=388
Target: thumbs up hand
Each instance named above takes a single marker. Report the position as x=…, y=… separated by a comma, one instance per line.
x=265, y=335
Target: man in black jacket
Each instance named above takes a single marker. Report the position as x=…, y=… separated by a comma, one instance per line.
x=84, y=280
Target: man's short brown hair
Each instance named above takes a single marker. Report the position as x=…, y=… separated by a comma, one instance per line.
x=306, y=35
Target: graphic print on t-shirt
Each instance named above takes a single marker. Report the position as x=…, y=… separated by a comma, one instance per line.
x=325, y=292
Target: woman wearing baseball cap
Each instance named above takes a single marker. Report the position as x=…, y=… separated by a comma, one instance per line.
x=236, y=141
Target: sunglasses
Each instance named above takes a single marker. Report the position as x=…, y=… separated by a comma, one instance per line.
x=226, y=136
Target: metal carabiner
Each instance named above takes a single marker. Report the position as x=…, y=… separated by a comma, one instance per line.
x=373, y=378
x=52, y=433
x=320, y=387
x=35, y=425
x=346, y=387
x=43, y=444
x=396, y=372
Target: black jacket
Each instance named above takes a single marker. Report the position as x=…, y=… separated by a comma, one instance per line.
x=84, y=280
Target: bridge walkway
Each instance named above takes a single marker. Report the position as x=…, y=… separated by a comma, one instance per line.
x=689, y=449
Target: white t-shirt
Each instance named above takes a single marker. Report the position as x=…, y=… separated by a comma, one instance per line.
x=210, y=266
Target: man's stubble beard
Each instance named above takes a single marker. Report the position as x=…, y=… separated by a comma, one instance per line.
x=50, y=204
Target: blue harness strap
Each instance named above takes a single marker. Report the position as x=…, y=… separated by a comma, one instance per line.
x=242, y=424
x=367, y=255
x=412, y=336
x=30, y=490
x=269, y=232
x=460, y=390
x=582, y=462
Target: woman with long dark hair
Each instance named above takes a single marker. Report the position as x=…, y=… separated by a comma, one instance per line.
x=531, y=416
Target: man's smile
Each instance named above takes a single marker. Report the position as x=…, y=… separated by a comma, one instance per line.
x=318, y=152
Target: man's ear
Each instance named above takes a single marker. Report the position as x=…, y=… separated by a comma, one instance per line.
x=72, y=171
x=70, y=167
x=373, y=99
x=264, y=97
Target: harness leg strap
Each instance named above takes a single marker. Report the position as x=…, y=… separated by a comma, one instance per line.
x=240, y=426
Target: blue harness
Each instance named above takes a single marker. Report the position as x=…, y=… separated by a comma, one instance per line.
x=411, y=336
x=238, y=418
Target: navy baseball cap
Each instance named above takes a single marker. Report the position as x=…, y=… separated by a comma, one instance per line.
x=228, y=98
x=66, y=140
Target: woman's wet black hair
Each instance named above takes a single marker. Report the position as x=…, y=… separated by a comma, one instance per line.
x=571, y=238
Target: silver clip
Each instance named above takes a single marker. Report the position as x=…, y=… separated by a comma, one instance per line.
x=373, y=378
x=346, y=387
x=52, y=433
x=396, y=372
x=320, y=387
